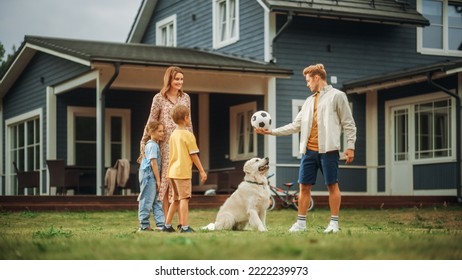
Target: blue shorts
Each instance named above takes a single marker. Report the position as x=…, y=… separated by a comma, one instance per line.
x=312, y=161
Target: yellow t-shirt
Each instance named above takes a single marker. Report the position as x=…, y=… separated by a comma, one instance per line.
x=313, y=138
x=182, y=145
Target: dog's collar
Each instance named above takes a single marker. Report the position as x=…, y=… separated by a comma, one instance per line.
x=256, y=183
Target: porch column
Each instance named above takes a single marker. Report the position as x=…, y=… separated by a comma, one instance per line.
x=371, y=142
x=100, y=119
x=51, y=134
x=270, y=141
x=204, y=129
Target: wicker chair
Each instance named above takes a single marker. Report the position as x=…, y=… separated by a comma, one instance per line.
x=62, y=178
x=27, y=179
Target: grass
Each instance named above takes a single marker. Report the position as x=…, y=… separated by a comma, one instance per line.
x=392, y=234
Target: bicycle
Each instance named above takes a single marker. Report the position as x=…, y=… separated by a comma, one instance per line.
x=287, y=197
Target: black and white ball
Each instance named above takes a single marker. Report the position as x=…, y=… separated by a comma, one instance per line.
x=261, y=119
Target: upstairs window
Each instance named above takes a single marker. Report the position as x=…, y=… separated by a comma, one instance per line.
x=166, y=32
x=444, y=35
x=225, y=22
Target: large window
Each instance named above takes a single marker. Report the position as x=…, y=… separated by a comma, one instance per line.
x=23, y=143
x=444, y=35
x=243, y=139
x=423, y=131
x=82, y=136
x=225, y=22
x=166, y=32
x=432, y=129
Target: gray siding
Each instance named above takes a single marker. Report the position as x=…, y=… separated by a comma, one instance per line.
x=435, y=176
x=29, y=91
x=194, y=26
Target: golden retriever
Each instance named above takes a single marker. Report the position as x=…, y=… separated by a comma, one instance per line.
x=248, y=204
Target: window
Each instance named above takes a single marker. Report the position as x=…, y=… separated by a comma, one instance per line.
x=432, y=126
x=444, y=35
x=225, y=22
x=243, y=139
x=23, y=144
x=82, y=136
x=166, y=32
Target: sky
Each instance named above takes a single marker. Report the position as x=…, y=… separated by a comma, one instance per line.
x=101, y=20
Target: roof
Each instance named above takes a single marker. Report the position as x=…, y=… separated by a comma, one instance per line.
x=378, y=11
x=87, y=52
x=403, y=76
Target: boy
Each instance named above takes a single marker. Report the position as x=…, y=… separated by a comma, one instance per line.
x=183, y=153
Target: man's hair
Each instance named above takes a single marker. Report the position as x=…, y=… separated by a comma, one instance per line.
x=317, y=69
x=179, y=112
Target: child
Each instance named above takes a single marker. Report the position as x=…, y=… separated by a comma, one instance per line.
x=183, y=153
x=149, y=176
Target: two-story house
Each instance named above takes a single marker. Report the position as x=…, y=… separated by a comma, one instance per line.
x=399, y=61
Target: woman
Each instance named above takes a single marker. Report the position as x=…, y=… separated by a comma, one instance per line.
x=163, y=102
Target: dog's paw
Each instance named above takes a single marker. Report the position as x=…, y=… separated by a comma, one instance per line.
x=262, y=229
x=210, y=226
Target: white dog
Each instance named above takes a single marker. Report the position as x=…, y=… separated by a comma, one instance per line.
x=248, y=204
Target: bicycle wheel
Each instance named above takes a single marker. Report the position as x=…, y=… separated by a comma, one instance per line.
x=295, y=202
x=272, y=203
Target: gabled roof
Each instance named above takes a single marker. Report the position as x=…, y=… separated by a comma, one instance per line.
x=378, y=11
x=88, y=52
x=403, y=76
x=141, y=22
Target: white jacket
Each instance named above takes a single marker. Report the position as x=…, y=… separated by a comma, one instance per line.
x=333, y=114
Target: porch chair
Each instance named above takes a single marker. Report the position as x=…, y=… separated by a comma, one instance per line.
x=27, y=179
x=62, y=178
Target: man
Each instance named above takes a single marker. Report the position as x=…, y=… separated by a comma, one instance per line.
x=320, y=121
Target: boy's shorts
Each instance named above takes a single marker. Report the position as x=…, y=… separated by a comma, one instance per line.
x=182, y=188
x=312, y=161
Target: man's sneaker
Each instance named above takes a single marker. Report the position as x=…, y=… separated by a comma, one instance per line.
x=332, y=228
x=146, y=229
x=167, y=229
x=296, y=227
x=189, y=229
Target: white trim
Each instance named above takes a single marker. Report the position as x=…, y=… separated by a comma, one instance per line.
x=229, y=40
x=445, y=51
x=372, y=143
x=388, y=126
x=76, y=82
x=270, y=142
x=58, y=54
x=12, y=121
x=233, y=136
x=125, y=114
x=163, y=23
x=296, y=107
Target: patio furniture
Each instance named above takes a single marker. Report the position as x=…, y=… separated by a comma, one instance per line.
x=63, y=178
x=26, y=180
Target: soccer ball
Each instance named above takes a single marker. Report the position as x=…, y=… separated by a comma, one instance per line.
x=261, y=119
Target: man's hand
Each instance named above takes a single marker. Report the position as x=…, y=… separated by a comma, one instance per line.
x=349, y=156
x=260, y=130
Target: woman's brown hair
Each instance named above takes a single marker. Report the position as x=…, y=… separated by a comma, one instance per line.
x=169, y=75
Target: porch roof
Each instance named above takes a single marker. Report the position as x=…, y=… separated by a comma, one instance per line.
x=378, y=11
x=403, y=76
x=89, y=52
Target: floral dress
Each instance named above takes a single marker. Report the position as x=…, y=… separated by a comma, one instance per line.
x=161, y=109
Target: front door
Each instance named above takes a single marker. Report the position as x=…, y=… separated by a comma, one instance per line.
x=401, y=175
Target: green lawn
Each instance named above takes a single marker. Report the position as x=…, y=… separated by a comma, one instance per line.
x=402, y=234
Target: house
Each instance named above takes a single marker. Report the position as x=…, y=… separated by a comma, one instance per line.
x=87, y=102
x=400, y=63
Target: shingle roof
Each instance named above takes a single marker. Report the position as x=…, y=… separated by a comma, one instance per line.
x=144, y=54
x=448, y=66
x=380, y=11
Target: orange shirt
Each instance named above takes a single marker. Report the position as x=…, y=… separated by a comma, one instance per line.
x=313, y=138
